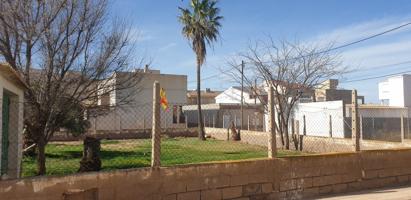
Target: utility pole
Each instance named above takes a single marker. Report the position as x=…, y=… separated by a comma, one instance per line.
x=255, y=92
x=242, y=94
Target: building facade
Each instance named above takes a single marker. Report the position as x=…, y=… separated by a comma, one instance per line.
x=207, y=96
x=395, y=91
x=233, y=96
x=131, y=107
x=11, y=122
x=328, y=91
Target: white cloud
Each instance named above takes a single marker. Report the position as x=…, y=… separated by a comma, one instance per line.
x=379, y=54
x=385, y=50
x=358, y=31
x=167, y=46
x=389, y=48
x=137, y=35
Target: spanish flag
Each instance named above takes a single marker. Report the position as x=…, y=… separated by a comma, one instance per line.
x=163, y=99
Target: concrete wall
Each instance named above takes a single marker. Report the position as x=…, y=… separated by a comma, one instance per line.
x=127, y=134
x=299, y=177
x=396, y=90
x=317, y=116
x=221, y=116
x=407, y=90
x=136, y=114
x=15, y=126
x=380, y=122
x=132, y=118
x=312, y=144
x=175, y=87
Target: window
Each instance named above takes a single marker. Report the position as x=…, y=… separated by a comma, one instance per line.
x=182, y=116
x=178, y=115
x=385, y=102
x=175, y=114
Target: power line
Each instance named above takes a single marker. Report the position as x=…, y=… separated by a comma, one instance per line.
x=209, y=77
x=381, y=66
x=375, y=77
x=351, y=43
x=370, y=37
x=328, y=50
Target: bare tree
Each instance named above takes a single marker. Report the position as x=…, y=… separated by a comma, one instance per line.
x=67, y=52
x=292, y=69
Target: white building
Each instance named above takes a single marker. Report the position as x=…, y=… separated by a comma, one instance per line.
x=233, y=95
x=11, y=122
x=396, y=91
x=136, y=113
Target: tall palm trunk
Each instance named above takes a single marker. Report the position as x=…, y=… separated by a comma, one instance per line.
x=201, y=133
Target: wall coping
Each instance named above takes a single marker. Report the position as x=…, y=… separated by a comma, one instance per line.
x=204, y=164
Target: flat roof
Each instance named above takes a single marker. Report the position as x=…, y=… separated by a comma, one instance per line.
x=377, y=106
x=10, y=74
x=222, y=106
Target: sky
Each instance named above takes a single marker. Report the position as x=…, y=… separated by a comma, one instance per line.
x=158, y=38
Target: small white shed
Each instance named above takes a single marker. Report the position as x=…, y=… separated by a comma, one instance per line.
x=12, y=89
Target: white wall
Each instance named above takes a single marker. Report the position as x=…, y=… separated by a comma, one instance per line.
x=317, y=116
x=233, y=95
x=380, y=111
x=15, y=129
x=397, y=90
x=407, y=90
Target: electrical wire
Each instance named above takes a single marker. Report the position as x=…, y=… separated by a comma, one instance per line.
x=325, y=51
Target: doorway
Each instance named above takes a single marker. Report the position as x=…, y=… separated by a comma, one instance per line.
x=5, y=134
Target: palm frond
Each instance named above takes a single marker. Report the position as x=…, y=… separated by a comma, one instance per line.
x=201, y=24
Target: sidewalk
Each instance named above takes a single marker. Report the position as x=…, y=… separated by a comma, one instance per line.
x=399, y=193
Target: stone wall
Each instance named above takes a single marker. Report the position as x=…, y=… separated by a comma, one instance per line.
x=297, y=177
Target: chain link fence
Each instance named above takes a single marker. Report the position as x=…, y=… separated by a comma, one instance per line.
x=120, y=137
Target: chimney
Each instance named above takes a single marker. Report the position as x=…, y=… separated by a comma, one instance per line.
x=145, y=68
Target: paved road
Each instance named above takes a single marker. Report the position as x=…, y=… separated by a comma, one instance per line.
x=403, y=193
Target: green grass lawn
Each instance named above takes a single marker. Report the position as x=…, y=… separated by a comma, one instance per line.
x=64, y=157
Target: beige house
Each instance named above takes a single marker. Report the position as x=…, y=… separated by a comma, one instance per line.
x=328, y=91
x=136, y=112
x=11, y=121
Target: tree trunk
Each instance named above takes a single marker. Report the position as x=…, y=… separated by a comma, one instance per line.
x=41, y=157
x=287, y=139
x=280, y=128
x=91, y=155
x=201, y=133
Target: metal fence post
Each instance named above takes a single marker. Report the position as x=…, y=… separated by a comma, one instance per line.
x=144, y=123
x=213, y=121
x=331, y=126
x=361, y=128
x=95, y=125
x=186, y=120
x=272, y=140
x=156, y=128
x=304, y=126
x=355, y=122
x=248, y=122
x=402, y=128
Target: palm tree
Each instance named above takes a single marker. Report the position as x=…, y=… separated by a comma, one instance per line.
x=201, y=24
